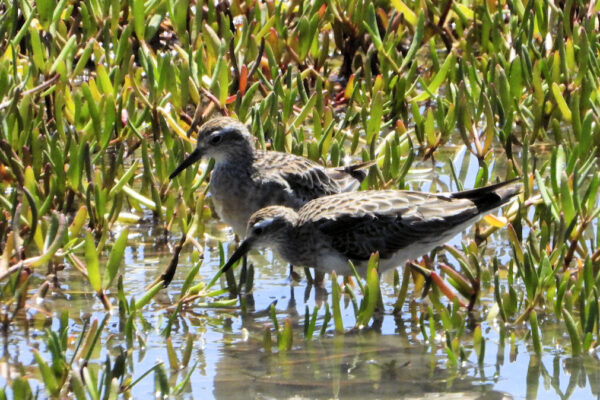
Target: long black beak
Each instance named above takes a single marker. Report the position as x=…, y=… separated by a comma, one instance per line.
x=194, y=156
x=244, y=247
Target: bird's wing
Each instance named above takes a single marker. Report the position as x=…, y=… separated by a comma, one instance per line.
x=305, y=178
x=359, y=224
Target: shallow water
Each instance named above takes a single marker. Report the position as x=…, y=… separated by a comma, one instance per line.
x=392, y=359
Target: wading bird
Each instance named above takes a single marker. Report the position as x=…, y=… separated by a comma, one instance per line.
x=401, y=225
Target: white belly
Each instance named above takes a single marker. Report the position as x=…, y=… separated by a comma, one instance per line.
x=230, y=194
x=233, y=214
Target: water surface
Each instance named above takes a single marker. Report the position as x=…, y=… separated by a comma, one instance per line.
x=391, y=359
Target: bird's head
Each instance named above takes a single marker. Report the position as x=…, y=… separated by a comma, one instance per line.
x=221, y=138
x=268, y=227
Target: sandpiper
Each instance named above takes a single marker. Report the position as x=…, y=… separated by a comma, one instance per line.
x=245, y=179
x=400, y=225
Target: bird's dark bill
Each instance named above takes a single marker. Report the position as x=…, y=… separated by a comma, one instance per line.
x=194, y=156
x=245, y=247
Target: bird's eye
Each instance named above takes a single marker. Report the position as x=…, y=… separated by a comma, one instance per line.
x=258, y=230
x=216, y=139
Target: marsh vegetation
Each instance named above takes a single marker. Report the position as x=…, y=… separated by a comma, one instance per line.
x=109, y=282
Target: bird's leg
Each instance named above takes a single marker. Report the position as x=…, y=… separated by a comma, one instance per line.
x=320, y=295
x=319, y=279
x=294, y=276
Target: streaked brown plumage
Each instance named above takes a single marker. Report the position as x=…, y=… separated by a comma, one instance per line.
x=245, y=180
x=400, y=225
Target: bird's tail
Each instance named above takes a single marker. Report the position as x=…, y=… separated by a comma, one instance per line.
x=358, y=170
x=493, y=196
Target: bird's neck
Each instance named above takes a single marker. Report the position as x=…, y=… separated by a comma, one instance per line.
x=296, y=248
x=242, y=157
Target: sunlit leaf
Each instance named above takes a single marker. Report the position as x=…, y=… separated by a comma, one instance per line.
x=560, y=101
x=92, y=264
x=495, y=221
x=114, y=260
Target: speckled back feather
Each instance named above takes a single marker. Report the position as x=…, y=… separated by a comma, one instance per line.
x=359, y=224
x=307, y=179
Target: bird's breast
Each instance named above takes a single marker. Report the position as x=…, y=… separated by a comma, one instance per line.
x=232, y=197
